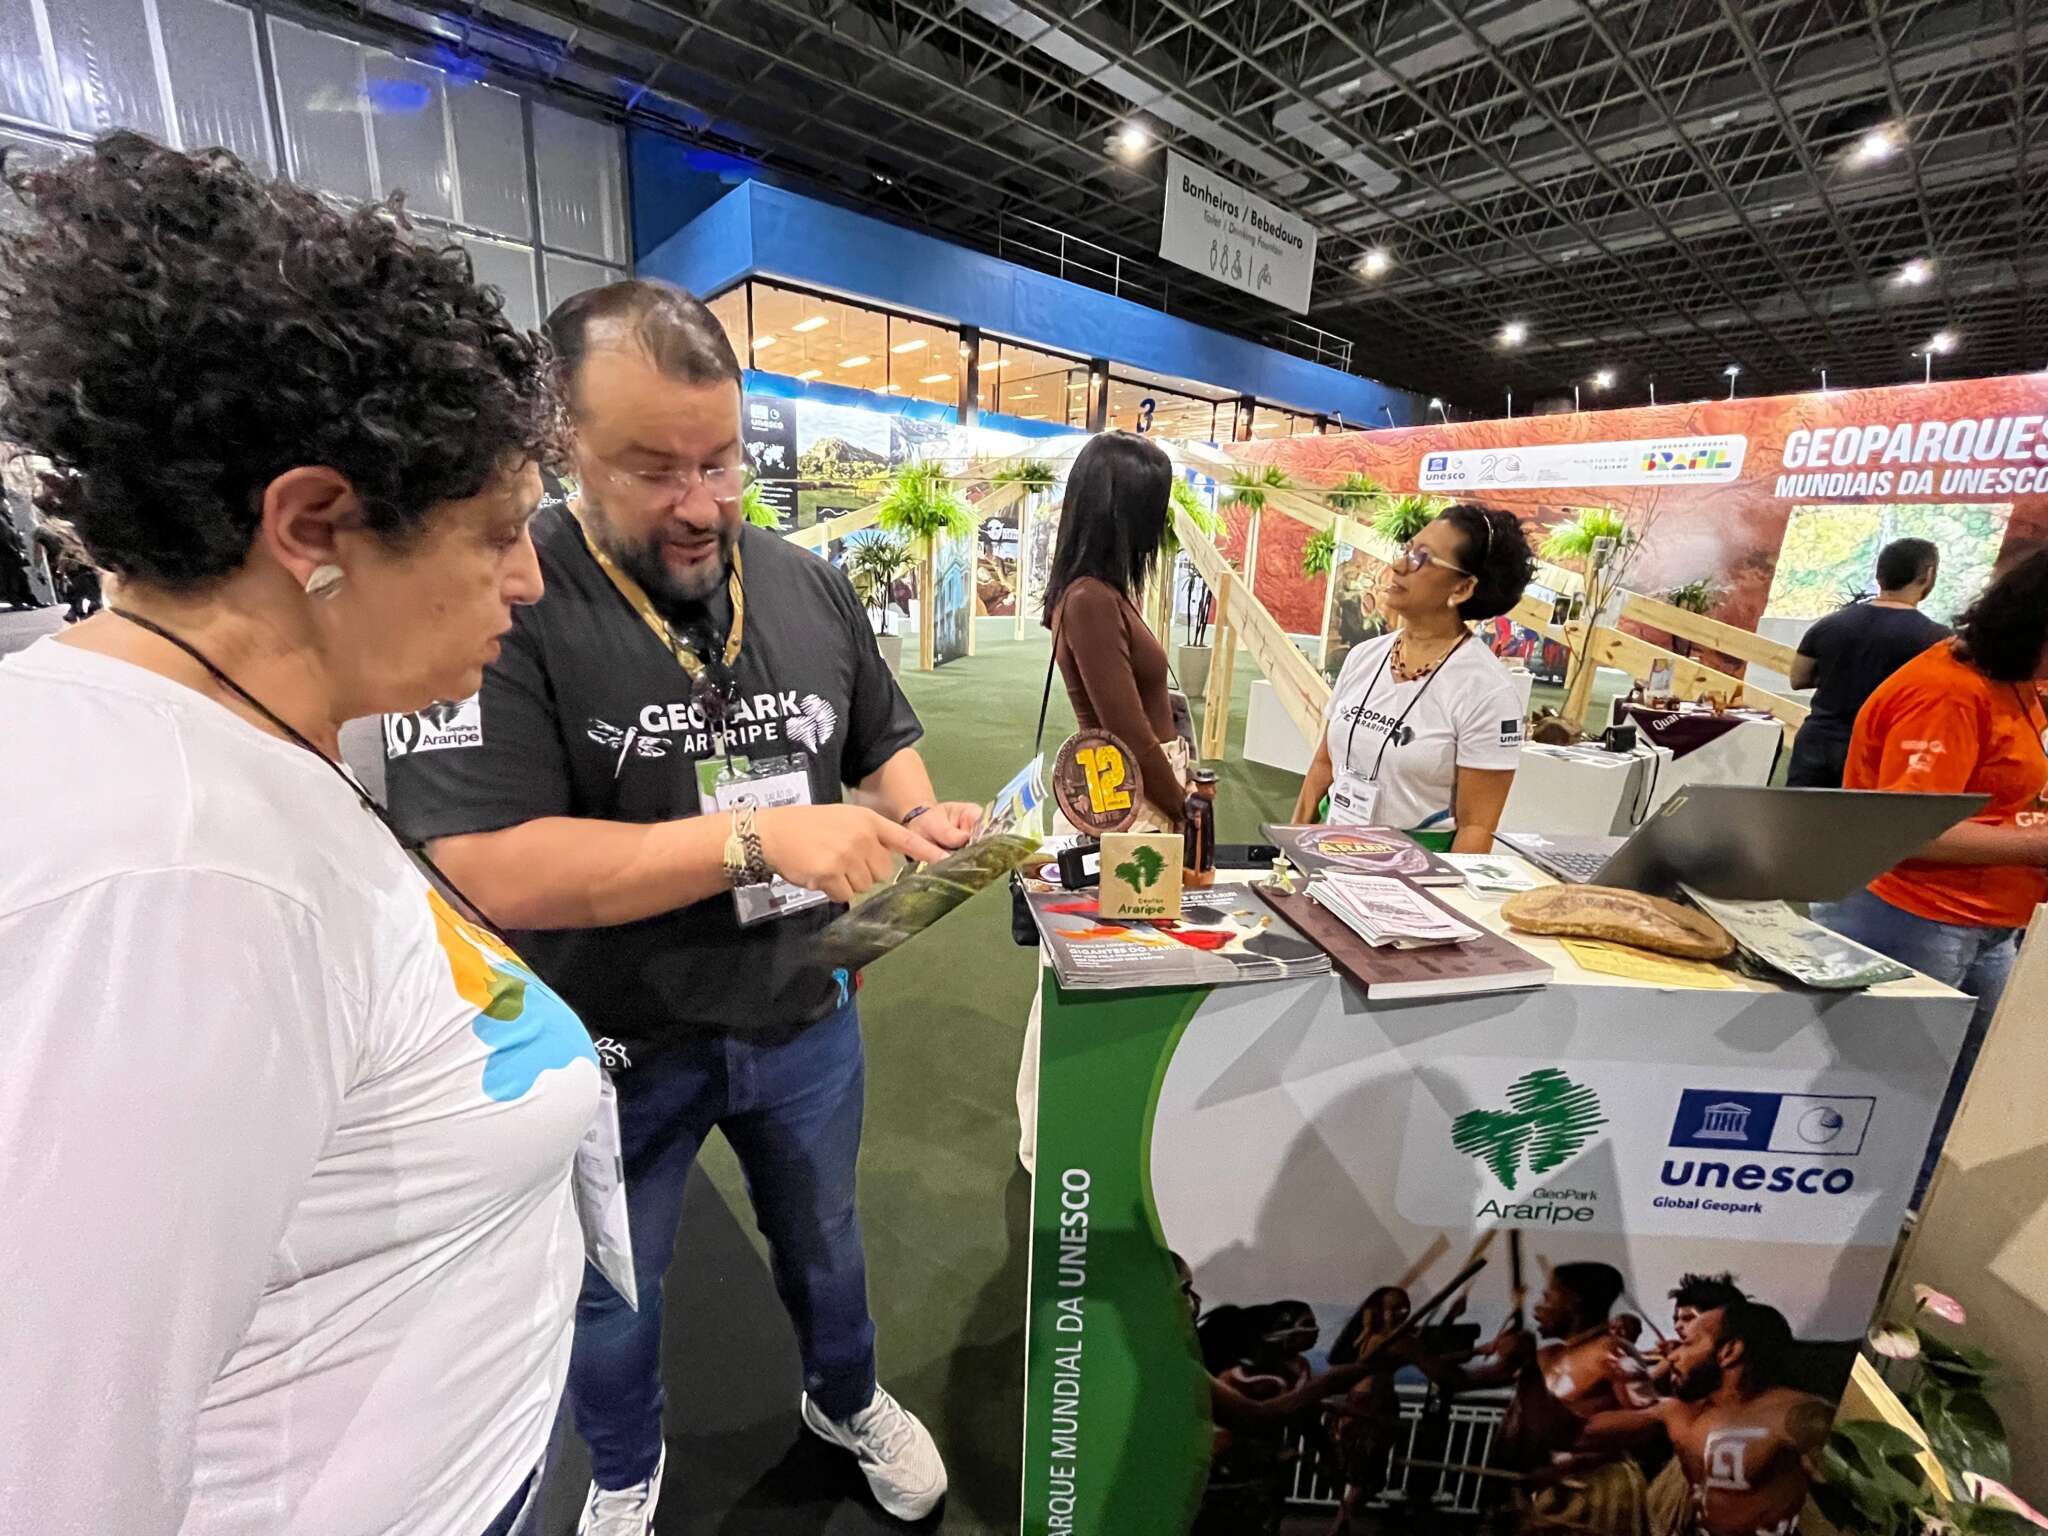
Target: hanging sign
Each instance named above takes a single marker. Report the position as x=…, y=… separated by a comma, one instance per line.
x=1213, y=225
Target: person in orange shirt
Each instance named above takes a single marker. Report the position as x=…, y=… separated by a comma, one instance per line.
x=1966, y=715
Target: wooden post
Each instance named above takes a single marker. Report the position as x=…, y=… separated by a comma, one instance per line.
x=927, y=617
x=1329, y=602
x=1024, y=506
x=1223, y=649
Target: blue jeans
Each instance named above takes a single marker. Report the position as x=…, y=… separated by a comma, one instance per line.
x=1973, y=960
x=790, y=1106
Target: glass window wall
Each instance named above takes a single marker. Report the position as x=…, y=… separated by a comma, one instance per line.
x=1038, y=386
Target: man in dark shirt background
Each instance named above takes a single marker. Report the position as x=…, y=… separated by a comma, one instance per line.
x=1846, y=655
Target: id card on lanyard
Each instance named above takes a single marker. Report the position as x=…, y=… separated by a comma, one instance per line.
x=726, y=784
x=1355, y=797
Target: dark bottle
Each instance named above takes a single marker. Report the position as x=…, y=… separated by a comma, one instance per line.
x=1198, y=831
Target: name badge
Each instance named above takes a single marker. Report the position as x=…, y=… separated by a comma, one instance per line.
x=764, y=783
x=1353, y=802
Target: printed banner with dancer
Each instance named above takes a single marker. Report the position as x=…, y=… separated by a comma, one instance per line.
x=1507, y=1262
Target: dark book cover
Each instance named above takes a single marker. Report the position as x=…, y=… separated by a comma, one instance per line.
x=1488, y=963
x=1362, y=851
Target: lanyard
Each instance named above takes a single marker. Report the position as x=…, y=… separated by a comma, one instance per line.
x=2019, y=695
x=637, y=599
x=1394, y=729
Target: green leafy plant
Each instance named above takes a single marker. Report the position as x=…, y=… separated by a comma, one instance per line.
x=1698, y=596
x=1572, y=542
x=1354, y=494
x=1183, y=497
x=1142, y=871
x=1319, y=553
x=1032, y=474
x=921, y=502
x=1403, y=517
x=875, y=562
x=1249, y=486
x=756, y=510
x=1872, y=1480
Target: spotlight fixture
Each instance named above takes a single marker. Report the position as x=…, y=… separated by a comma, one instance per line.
x=1876, y=146
x=1914, y=273
x=1514, y=333
x=1942, y=341
x=916, y=344
x=1604, y=379
x=1438, y=406
x=859, y=359
x=1732, y=370
x=1132, y=139
x=1375, y=262
x=811, y=324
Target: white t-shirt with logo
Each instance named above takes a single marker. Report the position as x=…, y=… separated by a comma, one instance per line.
x=285, y=1146
x=1469, y=716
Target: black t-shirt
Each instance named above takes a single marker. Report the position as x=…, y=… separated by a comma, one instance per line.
x=1856, y=648
x=587, y=713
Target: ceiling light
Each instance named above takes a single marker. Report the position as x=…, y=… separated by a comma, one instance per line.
x=855, y=361
x=763, y=341
x=1942, y=341
x=1132, y=139
x=1435, y=404
x=1375, y=261
x=811, y=324
x=935, y=378
x=1604, y=379
x=1001, y=362
x=1513, y=334
x=812, y=373
x=1023, y=394
x=1877, y=145
x=889, y=389
x=908, y=346
x=1915, y=272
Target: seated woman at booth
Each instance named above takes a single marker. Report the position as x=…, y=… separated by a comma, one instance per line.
x=1964, y=716
x=1424, y=727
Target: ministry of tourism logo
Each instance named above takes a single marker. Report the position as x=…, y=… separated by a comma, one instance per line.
x=1548, y=1121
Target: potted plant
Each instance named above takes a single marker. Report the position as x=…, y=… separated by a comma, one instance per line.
x=1931, y=1458
x=921, y=504
x=1191, y=661
x=1579, y=543
x=1026, y=474
x=1319, y=553
x=1398, y=520
x=1696, y=596
x=875, y=562
x=1354, y=495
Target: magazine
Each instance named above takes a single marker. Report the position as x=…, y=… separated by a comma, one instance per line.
x=1382, y=910
x=1012, y=828
x=1361, y=851
x=1487, y=963
x=1497, y=874
x=1224, y=935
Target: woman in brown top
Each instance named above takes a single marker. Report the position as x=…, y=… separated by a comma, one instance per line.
x=1111, y=525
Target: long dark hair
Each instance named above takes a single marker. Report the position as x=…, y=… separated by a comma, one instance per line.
x=2003, y=632
x=1114, y=515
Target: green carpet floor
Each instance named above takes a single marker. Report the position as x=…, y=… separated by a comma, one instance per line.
x=942, y=1198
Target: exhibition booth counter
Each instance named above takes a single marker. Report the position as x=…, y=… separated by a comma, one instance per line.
x=1272, y=1157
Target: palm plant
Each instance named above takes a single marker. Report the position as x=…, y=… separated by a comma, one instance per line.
x=1031, y=474
x=1572, y=543
x=1319, y=553
x=1249, y=486
x=875, y=562
x=1354, y=494
x=921, y=504
x=1403, y=517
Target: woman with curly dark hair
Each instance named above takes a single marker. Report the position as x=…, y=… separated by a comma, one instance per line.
x=1964, y=716
x=285, y=1143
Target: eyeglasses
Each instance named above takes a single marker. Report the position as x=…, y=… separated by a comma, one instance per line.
x=1414, y=557
x=723, y=483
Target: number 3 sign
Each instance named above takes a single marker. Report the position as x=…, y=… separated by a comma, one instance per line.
x=1092, y=779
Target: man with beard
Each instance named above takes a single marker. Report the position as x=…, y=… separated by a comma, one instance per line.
x=1584, y=1371
x=651, y=791
x=1742, y=1438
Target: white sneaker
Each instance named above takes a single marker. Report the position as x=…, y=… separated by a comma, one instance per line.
x=895, y=1451
x=623, y=1511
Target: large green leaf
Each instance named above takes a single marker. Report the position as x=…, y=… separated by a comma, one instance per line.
x=1963, y=1429
x=1959, y=1364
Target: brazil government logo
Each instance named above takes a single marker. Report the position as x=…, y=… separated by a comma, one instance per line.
x=1549, y=1120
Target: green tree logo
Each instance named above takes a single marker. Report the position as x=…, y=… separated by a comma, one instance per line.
x=1143, y=870
x=1549, y=1119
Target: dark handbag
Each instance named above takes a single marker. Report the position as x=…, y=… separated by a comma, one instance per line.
x=1023, y=930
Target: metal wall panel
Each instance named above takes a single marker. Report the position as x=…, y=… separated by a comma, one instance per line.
x=578, y=161
x=568, y=277
x=409, y=121
x=490, y=159
x=107, y=66
x=216, y=93
x=25, y=89
x=320, y=86
x=509, y=269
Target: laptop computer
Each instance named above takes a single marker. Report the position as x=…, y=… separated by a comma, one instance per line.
x=1753, y=842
